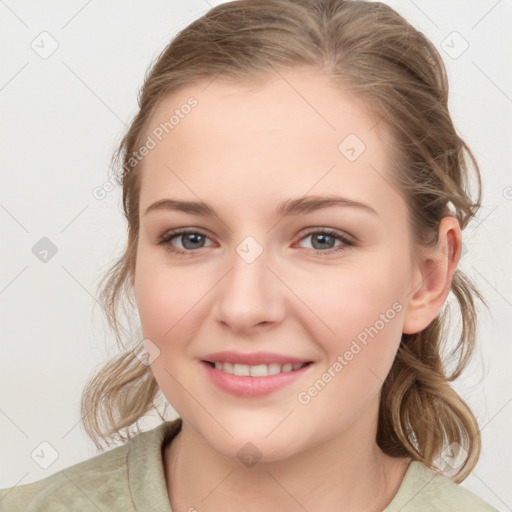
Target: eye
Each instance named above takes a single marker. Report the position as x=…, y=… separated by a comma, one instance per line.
x=190, y=240
x=325, y=239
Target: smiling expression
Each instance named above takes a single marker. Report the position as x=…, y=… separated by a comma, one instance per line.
x=294, y=248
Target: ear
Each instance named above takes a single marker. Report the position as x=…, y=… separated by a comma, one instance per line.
x=433, y=277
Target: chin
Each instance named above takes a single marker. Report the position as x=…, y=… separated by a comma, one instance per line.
x=256, y=445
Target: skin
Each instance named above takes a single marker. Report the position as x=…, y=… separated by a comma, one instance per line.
x=243, y=150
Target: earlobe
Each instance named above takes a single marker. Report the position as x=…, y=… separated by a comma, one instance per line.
x=433, y=278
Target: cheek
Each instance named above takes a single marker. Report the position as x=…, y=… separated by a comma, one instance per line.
x=364, y=310
x=169, y=307
x=155, y=303
x=362, y=305
x=170, y=300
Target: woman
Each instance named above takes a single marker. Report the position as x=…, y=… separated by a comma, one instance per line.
x=305, y=377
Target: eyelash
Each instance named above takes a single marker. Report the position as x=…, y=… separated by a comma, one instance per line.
x=165, y=241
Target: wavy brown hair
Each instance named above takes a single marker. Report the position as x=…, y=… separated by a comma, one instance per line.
x=369, y=49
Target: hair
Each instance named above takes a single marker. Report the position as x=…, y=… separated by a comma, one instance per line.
x=369, y=49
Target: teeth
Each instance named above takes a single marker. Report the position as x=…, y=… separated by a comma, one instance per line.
x=242, y=370
x=259, y=370
x=273, y=368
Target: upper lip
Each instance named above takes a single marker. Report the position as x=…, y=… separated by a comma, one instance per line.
x=253, y=358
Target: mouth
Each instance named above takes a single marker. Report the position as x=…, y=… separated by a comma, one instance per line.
x=256, y=380
x=258, y=370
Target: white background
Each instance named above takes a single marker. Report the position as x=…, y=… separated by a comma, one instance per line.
x=62, y=118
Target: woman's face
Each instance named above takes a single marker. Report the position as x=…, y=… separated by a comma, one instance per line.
x=251, y=280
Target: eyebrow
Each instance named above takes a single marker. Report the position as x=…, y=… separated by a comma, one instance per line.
x=301, y=205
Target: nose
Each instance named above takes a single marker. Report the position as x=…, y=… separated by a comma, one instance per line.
x=251, y=295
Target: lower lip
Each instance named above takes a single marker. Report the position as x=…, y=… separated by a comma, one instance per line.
x=253, y=386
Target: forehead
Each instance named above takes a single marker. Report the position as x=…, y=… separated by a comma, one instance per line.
x=298, y=104
x=269, y=140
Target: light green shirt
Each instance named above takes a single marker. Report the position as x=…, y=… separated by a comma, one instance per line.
x=131, y=478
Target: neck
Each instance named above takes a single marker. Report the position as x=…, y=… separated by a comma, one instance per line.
x=346, y=473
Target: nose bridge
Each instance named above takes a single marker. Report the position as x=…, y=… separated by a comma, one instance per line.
x=249, y=294
x=249, y=278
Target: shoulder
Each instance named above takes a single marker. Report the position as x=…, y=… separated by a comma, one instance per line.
x=85, y=484
x=427, y=490
x=103, y=482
